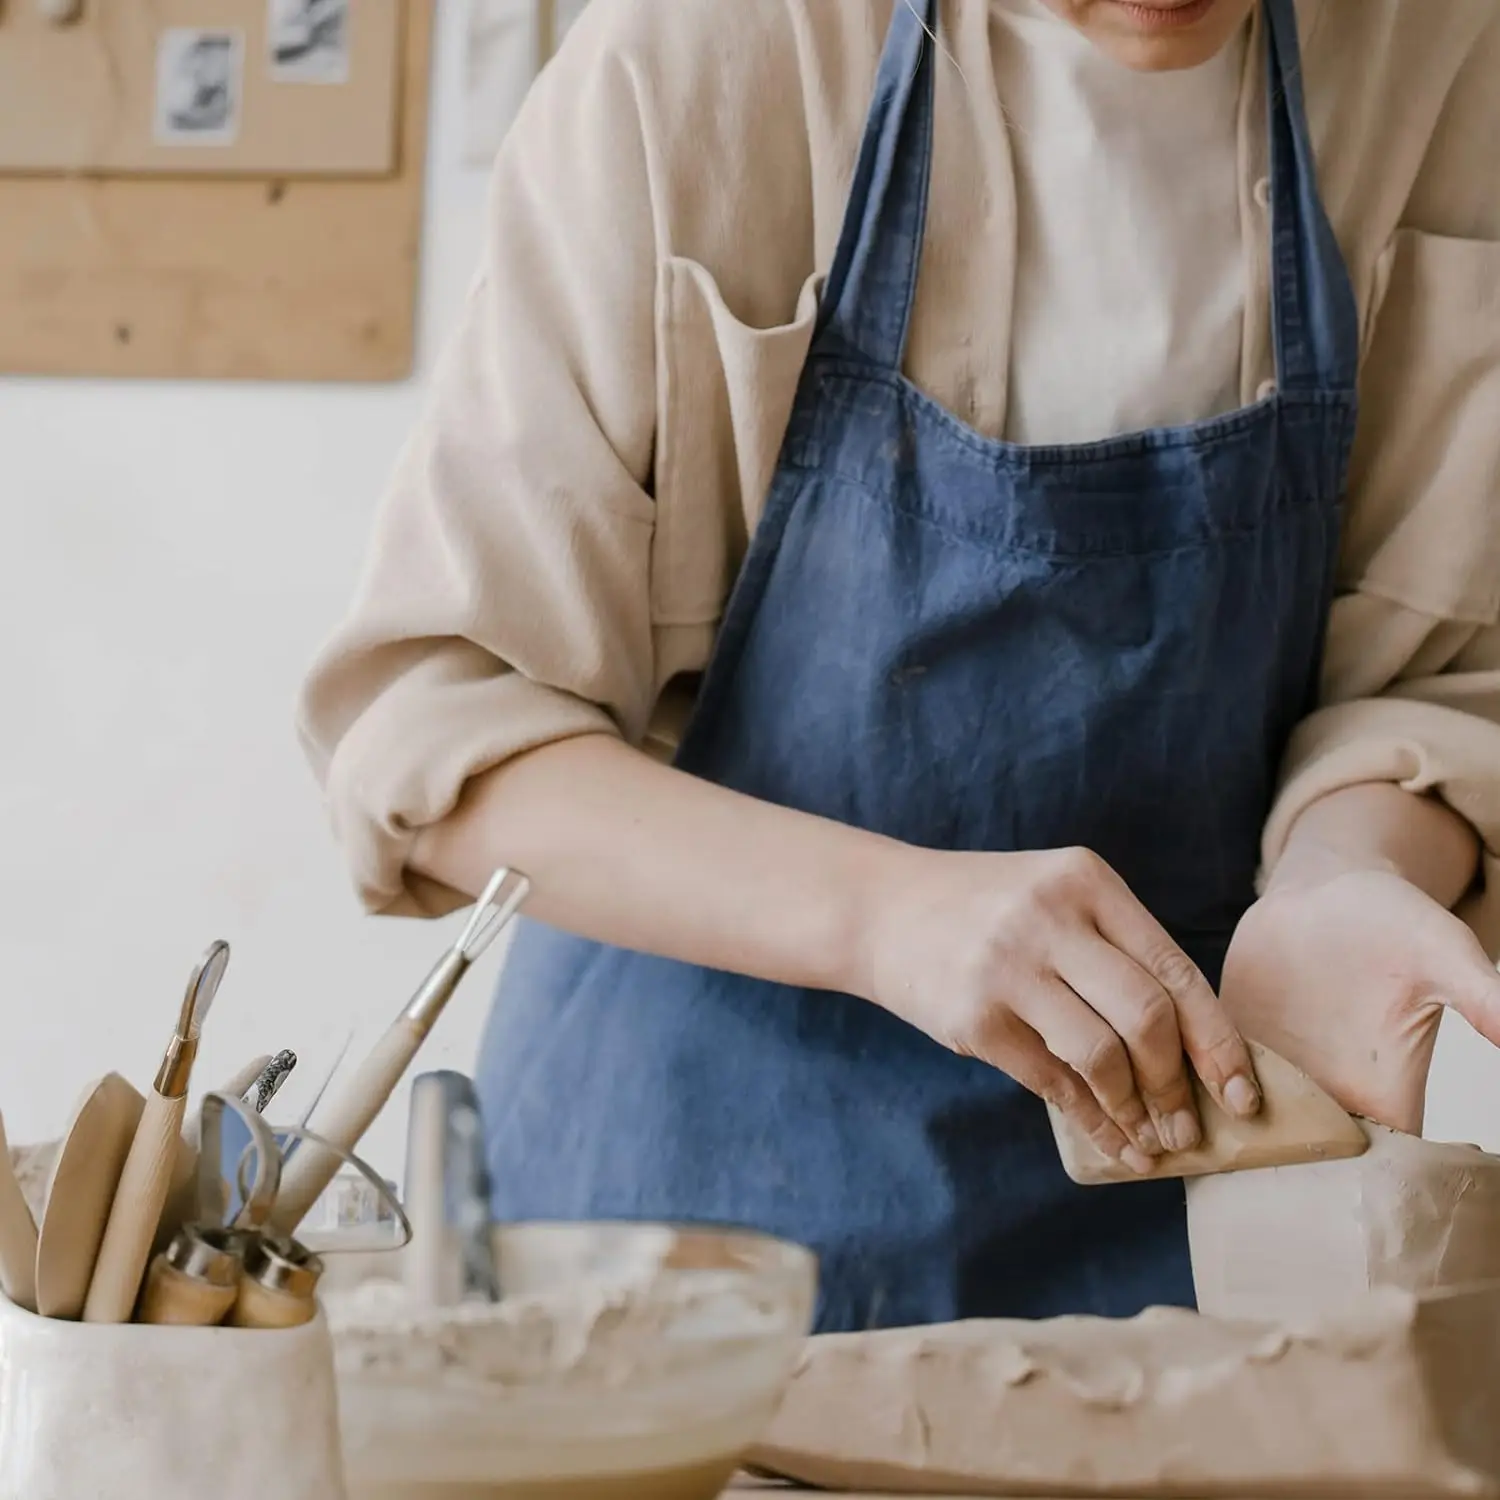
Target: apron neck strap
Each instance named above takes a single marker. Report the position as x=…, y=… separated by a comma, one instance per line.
x=872, y=283
x=1314, y=313
x=871, y=287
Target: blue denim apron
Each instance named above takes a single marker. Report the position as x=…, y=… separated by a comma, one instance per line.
x=965, y=644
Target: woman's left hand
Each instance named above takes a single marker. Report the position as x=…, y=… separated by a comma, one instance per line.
x=1345, y=971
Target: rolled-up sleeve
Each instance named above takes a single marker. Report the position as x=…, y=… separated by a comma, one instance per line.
x=505, y=598
x=1412, y=676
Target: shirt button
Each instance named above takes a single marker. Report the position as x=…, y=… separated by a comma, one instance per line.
x=1265, y=390
x=1262, y=192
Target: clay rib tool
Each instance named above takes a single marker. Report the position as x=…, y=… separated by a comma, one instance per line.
x=81, y=1191
x=18, y=1237
x=1297, y=1123
x=354, y=1107
x=147, y=1177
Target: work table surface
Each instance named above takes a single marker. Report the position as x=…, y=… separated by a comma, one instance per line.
x=765, y=1489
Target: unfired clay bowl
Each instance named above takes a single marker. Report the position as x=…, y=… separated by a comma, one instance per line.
x=93, y=1411
x=623, y=1360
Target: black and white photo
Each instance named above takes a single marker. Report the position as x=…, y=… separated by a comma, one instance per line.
x=309, y=40
x=199, y=78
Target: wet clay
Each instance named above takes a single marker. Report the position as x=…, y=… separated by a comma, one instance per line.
x=698, y=1482
x=644, y=1388
x=1292, y=1242
x=1401, y=1397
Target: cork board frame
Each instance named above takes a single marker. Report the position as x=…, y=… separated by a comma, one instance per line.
x=245, y=278
x=87, y=97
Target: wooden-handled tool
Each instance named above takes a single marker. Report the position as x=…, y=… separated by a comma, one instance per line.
x=193, y=1282
x=147, y=1175
x=18, y=1238
x=1297, y=1123
x=351, y=1109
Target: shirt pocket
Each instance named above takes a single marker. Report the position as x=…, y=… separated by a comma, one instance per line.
x=724, y=398
x=1423, y=522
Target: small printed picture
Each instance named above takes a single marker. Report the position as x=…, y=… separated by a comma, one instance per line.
x=198, y=86
x=309, y=40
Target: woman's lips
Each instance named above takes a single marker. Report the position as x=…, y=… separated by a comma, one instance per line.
x=1165, y=17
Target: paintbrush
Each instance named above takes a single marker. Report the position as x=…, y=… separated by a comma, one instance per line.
x=352, y=1108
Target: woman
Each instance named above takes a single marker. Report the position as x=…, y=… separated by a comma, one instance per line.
x=1009, y=583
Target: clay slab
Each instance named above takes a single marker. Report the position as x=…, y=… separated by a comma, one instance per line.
x=1400, y=1396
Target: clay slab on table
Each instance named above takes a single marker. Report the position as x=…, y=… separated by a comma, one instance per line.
x=1400, y=1396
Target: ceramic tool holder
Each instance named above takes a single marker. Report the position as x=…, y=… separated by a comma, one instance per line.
x=127, y=1410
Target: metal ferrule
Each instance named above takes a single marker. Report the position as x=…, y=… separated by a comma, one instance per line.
x=176, y=1067
x=423, y=1009
x=205, y=1255
x=282, y=1265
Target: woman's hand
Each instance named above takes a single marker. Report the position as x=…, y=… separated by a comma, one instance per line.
x=1046, y=967
x=1347, y=977
x=1346, y=962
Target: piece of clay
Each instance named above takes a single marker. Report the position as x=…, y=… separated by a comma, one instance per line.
x=1300, y=1241
x=1398, y=1397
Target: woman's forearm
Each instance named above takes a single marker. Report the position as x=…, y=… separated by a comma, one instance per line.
x=627, y=851
x=1379, y=826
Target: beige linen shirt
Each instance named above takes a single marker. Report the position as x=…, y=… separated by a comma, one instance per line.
x=557, y=544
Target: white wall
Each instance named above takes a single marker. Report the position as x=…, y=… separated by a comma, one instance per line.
x=170, y=555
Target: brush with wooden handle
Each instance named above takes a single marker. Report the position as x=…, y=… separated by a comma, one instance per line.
x=351, y=1109
x=147, y=1176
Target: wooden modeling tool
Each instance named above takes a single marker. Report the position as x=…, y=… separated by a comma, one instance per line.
x=278, y=1283
x=147, y=1176
x=81, y=1192
x=1297, y=1123
x=194, y=1281
x=351, y=1109
x=18, y=1237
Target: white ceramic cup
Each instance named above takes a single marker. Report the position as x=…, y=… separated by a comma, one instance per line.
x=104, y=1412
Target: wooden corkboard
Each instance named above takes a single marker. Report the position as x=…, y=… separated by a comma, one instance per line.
x=234, y=278
x=84, y=97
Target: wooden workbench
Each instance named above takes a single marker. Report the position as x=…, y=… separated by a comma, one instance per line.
x=768, y=1490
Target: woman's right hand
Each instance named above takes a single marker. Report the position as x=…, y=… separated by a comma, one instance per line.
x=1045, y=966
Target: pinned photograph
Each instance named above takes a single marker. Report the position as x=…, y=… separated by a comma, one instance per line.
x=199, y=76
x=309, y=40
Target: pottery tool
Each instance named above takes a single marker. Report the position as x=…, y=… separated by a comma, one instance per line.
x=352, y=1108
x=278, y=1284
x=18, y=1237
x=1297, y=1123
x=81, y=1192
x=193, y=1282
x=290, y=1140
x=244, y=1078
x=267, y=1083
x=147, y=1176
x=451, y=1258
x=234, y=1136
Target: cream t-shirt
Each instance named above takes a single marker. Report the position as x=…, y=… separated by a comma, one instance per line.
x=1145, y=169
